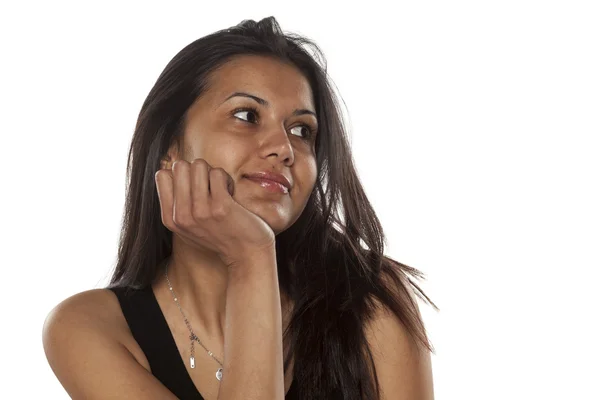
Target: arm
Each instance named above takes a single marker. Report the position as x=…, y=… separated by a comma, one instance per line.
x=403, y=366
x=88, y=361
x=253, y=359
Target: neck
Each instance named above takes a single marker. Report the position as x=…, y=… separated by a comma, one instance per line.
x=199, y=280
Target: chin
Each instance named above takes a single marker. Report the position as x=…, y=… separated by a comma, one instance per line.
x=275, y=216
x=277, y=225
x=278, y=214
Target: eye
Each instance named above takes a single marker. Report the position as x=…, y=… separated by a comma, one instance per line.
x=249, y=110
x=308, y=133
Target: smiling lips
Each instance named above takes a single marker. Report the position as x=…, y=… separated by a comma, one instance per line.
x=276, y=183
x=271, y=186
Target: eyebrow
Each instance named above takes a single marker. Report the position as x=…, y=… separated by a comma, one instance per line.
x=265, y=103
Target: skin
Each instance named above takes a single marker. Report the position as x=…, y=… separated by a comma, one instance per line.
x=199, y=274
x=274, y=140
x=91, y=322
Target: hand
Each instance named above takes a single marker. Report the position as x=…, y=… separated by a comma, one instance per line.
x=196, y=203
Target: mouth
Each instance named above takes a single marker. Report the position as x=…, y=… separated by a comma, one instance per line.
x=269, y=185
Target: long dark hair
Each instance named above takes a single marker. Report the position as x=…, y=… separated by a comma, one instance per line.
x=337, y=275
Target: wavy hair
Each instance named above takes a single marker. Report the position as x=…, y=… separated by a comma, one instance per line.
x=337, y=274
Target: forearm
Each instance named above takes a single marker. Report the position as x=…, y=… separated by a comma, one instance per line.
x=253, y=354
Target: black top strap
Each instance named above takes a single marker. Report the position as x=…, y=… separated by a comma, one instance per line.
x=151, y=331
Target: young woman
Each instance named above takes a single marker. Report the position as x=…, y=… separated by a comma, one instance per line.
x=251, y=262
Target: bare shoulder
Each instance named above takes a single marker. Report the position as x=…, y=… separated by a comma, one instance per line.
x=94, y=306
x=90, y=349
x=403, y=365
x=96, y=310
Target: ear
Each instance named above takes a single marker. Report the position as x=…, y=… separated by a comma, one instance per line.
x=172, y=155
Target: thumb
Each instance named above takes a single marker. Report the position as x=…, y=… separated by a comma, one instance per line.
x=222, y=183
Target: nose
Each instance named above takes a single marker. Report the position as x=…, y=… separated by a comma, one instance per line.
x=276, y=143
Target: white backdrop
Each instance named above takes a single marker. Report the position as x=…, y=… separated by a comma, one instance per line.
x=475, y=128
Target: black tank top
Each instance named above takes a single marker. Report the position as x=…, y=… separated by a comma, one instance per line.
x=150, y=330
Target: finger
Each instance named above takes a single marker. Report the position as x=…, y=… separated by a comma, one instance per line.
x=164, y=187
x=199, y=188
x=221, y=184
x=182, y=202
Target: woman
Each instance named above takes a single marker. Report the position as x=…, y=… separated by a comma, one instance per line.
x=236, y=278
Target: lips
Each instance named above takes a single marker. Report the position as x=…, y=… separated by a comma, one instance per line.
x=266, y=177
x=271, y=186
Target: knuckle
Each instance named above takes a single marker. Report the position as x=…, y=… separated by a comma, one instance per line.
x=217, y=171
x=219, y=212
x=180, y=165
x=160, y=175
x=181, y=221
x=199, y=161
x=167, y=223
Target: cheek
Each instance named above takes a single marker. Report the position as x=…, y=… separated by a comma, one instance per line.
x=312, y=167
x=309, y=174
x=210, y=148
x=195, y=146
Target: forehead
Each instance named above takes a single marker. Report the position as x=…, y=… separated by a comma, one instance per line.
x=270, y=79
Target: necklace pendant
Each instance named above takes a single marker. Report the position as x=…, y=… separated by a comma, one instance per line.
x=192, y=362
x=219, y=373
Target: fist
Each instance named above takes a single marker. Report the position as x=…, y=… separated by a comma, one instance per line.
x=196, y=203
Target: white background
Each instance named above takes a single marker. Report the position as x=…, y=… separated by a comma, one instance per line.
x=475, y=128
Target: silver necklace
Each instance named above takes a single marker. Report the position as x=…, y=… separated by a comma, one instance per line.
x=193, y=337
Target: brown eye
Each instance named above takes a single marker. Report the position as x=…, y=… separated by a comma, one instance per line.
x=307, y=135
x=307, y=131
x=248, y=111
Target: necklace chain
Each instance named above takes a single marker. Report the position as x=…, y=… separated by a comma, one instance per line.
x=193, y=337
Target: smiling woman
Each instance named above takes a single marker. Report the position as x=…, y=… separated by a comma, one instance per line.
x=251, y=262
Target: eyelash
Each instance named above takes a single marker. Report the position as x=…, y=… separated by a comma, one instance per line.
x=311, y=131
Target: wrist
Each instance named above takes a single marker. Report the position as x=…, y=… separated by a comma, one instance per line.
x=251, y=262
